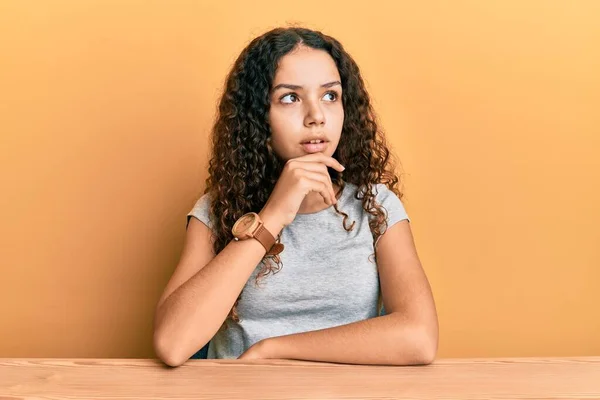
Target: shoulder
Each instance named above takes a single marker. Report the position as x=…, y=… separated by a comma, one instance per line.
x=392, y=206
x=391, y=203
x=383, y=193
x=201, y=210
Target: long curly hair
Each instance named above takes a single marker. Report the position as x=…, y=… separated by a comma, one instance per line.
x=243, y=169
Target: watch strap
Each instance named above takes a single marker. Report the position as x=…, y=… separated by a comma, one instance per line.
x=265, y=238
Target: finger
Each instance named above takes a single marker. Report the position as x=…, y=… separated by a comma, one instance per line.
x=315, y=167
x=319, y=168
x=316, y=182
x=321, y=171
x=320, y=157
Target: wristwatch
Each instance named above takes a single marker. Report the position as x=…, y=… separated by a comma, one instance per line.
x=251, y=226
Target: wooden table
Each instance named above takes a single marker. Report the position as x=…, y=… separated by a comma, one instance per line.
x=506, y=378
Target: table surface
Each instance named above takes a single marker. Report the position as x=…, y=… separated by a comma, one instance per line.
x=475, y=378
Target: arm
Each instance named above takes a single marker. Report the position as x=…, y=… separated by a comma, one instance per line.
x=407, y=335
x=202, y=290
x=204, y=287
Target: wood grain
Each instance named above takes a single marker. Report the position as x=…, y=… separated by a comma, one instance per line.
x=507, y=378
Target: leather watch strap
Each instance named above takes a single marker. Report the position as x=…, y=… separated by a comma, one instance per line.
x=264, y=237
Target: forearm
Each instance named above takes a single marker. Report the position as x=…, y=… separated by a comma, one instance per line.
x=386, y=340
x=194, y=312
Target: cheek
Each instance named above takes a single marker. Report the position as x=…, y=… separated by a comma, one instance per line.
x=277, y=122
x=284, y=124
x=336, y=119
x=281, y=128
x=335, y=112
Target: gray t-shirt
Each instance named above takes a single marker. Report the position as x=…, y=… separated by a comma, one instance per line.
x=328, y=276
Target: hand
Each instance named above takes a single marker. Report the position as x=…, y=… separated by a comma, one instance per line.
x=255, y=352
x=300, y=176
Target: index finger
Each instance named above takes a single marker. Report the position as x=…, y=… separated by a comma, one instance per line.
x=320, y=157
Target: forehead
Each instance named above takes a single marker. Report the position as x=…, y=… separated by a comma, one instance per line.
x=306, y=66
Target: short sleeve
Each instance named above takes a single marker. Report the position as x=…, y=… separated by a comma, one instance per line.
x=201, y=211
x=392, y=205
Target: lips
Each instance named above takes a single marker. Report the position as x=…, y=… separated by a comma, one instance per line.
x=314, y=140
x=314, y=147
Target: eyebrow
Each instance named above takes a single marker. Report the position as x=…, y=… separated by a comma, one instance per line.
x=296, y=87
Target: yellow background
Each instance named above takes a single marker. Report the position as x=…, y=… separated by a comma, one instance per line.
x=493, y=108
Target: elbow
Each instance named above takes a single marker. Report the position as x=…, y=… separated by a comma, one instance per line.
x=427, y=346
x=426, y=355
x=166, y=352
x=420, y=346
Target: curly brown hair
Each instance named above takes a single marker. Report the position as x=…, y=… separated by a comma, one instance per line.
x=243, y=169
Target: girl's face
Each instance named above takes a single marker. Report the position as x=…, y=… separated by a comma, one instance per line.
x=306, y=104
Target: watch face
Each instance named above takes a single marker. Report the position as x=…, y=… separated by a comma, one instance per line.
x=243, y=225
x=246, y=222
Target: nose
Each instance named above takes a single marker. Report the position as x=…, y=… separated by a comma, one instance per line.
x=314, y=114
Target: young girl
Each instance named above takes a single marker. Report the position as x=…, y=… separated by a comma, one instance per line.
x=300, y=237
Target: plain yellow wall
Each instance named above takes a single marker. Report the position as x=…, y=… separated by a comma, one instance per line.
x=492, y=108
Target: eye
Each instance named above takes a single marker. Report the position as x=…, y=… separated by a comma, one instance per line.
x=288, y=96
x=334, y=96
